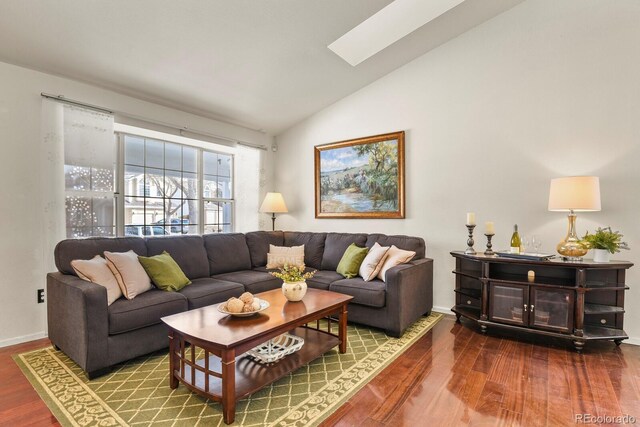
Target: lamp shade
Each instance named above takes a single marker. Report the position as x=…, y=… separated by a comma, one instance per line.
x=577, y=193
x=273, y=202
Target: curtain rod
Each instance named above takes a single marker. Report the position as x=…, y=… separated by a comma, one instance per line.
x=62, y=98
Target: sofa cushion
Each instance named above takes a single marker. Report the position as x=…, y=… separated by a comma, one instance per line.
x=227, y=252
x=323, y=278
x=187, y=251
x=70, y=249
x=350, y=263
x=370, y=293
x=97, y=271
x=144, y=310
x=407, y=243
x=336, y=244
x=279, y=256
x=313, y=246
x=207, y=291
x=258, y=243
x=253, y=281
x=164, y=272
x=129, y=273
x=373, y=262
x=394, y=257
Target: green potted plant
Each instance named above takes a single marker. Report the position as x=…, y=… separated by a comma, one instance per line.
x=294, y=285
x=604, y=242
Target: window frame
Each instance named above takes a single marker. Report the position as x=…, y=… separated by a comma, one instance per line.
x=201, y=200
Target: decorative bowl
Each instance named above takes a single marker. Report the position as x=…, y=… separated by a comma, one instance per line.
x=222, y=308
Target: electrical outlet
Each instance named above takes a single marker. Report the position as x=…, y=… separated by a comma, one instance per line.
x=40, y=296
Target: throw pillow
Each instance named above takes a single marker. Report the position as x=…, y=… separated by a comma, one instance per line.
x=131, y=277
x=96, y=270
x=373, y=262
x=164, y=272
x=349, y=264
x=395, y=256
x=279, y=256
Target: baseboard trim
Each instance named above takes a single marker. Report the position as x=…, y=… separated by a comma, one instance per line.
x=23, y=338
x=445, y=310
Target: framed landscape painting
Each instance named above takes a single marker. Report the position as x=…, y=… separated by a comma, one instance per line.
x=361, y=178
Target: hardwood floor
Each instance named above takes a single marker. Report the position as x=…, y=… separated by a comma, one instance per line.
x=452, y=376
x=456, y=376
x=20, y=405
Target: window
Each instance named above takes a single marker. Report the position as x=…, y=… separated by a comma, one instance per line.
x=170, y=188
x=217, y=168
x=89, y=159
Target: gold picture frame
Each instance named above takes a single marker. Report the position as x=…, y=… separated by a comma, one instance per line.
x=360, y=178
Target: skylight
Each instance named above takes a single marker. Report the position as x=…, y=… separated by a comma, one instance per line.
x=387, y=26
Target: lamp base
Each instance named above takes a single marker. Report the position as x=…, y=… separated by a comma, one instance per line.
x=571, y=248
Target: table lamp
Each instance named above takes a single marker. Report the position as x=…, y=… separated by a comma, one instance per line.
x=273, y=203
x=574, y=194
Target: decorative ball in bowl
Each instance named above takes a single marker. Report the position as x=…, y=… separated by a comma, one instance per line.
x=293, y=278
x=246, y=305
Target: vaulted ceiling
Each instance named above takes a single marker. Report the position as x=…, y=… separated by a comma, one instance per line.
x=263, y=64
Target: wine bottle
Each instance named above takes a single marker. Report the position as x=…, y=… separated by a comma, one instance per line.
x=515, y=241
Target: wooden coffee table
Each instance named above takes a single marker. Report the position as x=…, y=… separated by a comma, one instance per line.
x=220, y=374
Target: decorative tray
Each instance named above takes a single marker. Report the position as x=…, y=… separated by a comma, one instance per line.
x=276, y=348
x=222, y=308
x=529, y=256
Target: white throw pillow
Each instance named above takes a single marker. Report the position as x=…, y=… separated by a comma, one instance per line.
x=395, y=256
x=96, y=270
x=130, y=274
x=279, y=256
x=373, y=262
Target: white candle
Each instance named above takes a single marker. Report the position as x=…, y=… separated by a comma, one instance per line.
x=471, y=218
x=531, y=276
x=489, y=228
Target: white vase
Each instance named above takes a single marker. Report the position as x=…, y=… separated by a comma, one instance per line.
x=294, y=291
x=601, y=255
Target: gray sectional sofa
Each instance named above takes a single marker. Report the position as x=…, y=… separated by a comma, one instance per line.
x=97, y=336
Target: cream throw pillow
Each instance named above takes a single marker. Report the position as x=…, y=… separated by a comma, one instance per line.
x=373, y=262
x=395, y=256
x=96, y=270
x=131, y=277
x=279, y=256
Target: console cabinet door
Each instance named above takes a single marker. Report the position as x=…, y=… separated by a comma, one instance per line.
x=508, y=303
x=551, y=309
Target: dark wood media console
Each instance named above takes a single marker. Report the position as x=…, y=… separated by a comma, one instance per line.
x=579, y=301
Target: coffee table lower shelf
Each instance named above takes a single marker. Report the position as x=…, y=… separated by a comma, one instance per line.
x=250, y=375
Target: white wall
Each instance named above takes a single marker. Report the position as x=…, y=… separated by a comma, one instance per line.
x=549, y=88
x=21, y=245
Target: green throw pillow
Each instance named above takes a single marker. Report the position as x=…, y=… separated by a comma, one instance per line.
x=164, y=272
x=350, y=263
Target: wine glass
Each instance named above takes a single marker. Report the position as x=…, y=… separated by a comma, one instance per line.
x=536, y=243
x=526, y=244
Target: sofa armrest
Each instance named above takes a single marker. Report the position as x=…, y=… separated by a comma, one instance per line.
x=78, y=320
x=409, y=294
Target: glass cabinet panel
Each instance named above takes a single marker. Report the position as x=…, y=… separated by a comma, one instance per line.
x=508, y=303
x=551, y=309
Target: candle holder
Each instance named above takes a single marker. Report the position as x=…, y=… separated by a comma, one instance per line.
x=470, y=242
x=489, y=251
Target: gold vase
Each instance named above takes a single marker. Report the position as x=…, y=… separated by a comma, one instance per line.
x=571, y=248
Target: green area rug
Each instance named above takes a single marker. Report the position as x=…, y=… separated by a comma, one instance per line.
x=137, y=393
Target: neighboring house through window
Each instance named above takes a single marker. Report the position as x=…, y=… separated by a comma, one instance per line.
x=176, y=188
